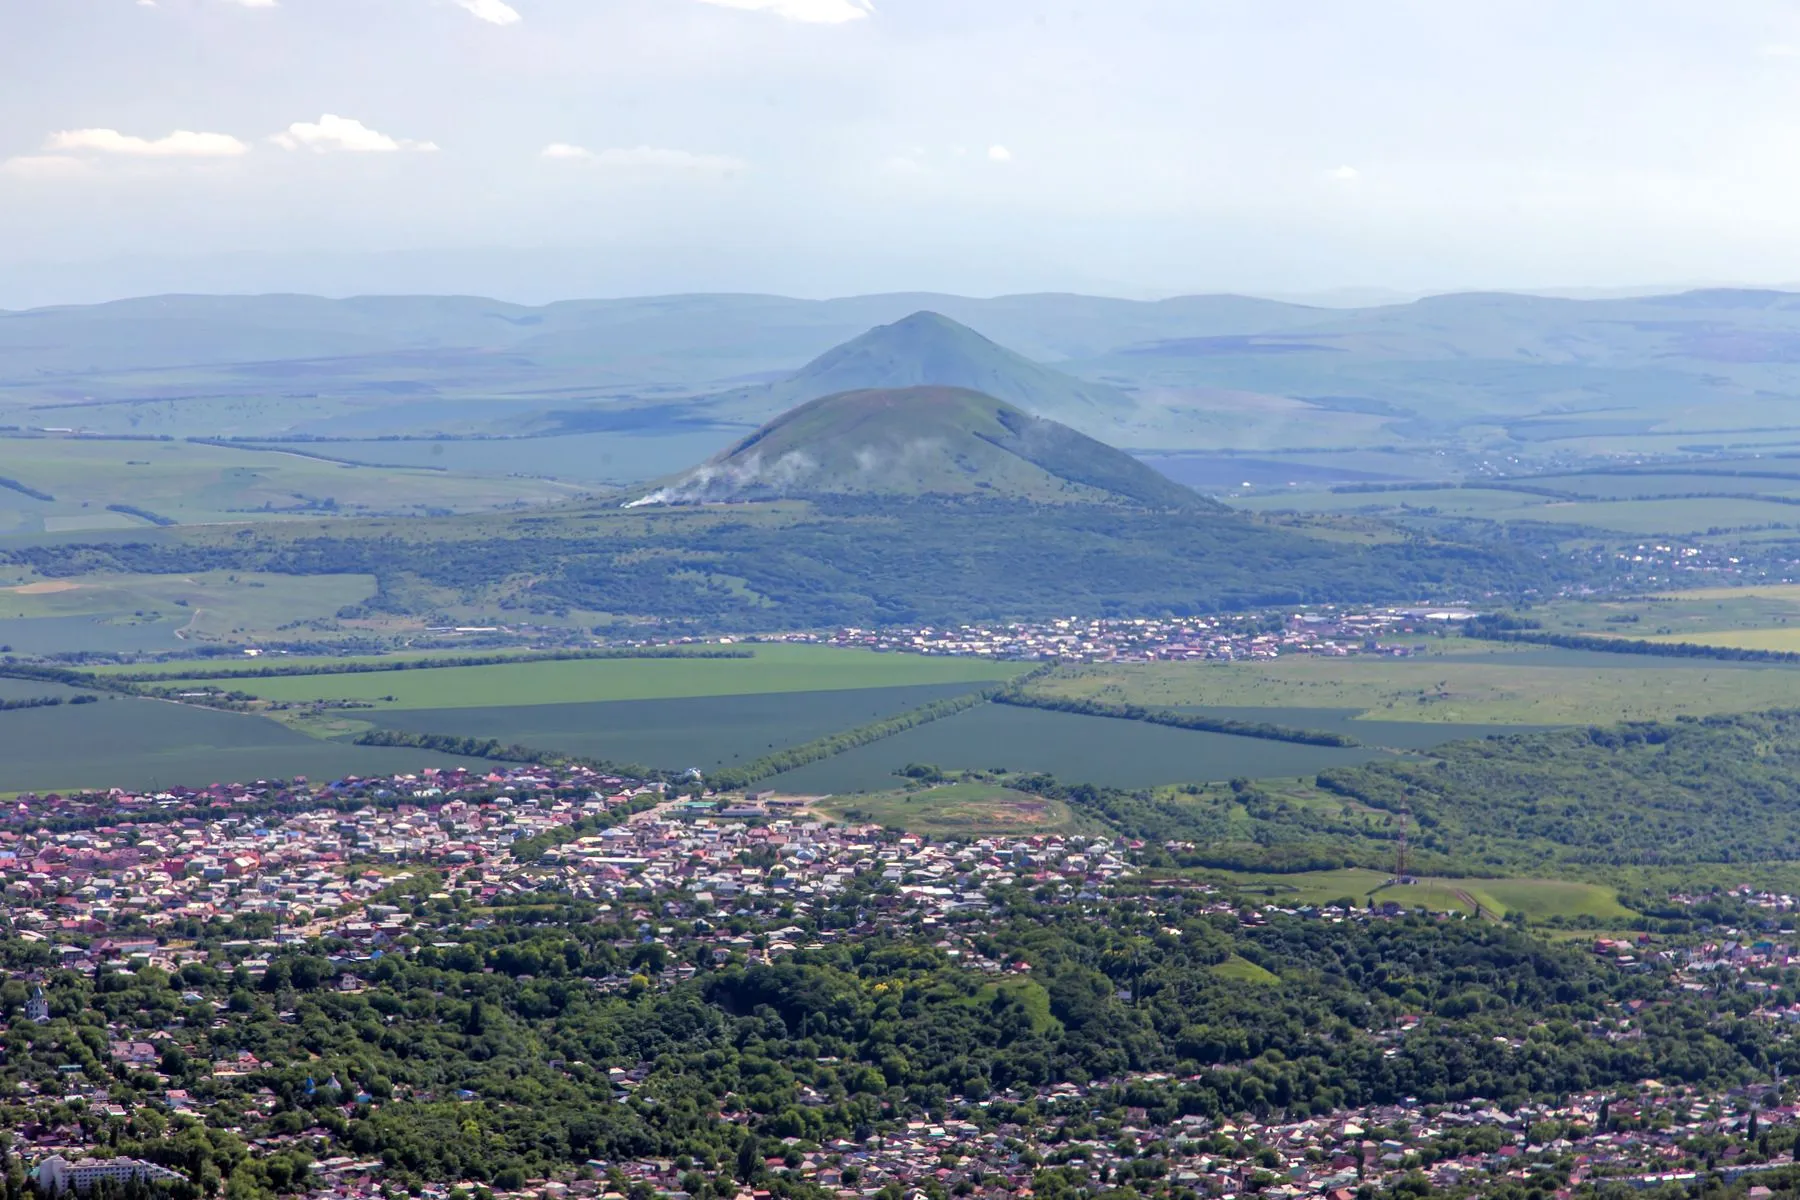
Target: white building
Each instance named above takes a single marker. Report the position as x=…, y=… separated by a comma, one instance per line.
x=57, y=1174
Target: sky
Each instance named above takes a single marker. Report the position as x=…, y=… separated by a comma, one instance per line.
x=541, y=149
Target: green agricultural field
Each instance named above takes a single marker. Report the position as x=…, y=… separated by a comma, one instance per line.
x=708, y=732
x=1075, y=749
x=773, y=669
x=1785, y=640
x=958, y=810
x=1467, y=683
x=1674, y=518
x=151, y=743
x=207, y=606
x=264, y=663
x=190, y=483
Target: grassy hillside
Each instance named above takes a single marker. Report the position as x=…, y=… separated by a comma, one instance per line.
x=923, y=441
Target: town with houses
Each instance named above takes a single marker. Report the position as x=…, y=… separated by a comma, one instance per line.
x=1327, y=630
x=95, y=884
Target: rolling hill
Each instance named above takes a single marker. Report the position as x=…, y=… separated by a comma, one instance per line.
x=922, y=441
x=927, y=349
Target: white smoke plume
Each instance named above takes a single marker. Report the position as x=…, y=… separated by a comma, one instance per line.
x=714, y=482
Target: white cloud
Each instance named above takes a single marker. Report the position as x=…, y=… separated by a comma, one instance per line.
x=183, y=143
x=1344, y=174
x=494, y=12
x=648, y=158
x=343, y=133
x=815, y=12
x=1779, y=50
x=999, y=154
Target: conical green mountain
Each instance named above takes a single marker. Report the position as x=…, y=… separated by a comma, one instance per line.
x=928, y=350
x=923, y=441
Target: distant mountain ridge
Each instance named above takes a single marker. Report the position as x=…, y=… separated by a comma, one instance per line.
x=928, y=349
x=923, y=441
x=1450, y=380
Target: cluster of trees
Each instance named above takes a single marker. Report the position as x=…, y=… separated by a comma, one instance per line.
x=495, y=750
x=1176, y=719
x=834, y=744
x=47, y=701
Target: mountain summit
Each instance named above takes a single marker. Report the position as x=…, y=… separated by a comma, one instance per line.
x=929, y=350
x=923, y=441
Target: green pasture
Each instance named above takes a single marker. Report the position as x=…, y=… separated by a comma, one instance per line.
x=204, y=606
x=957, y=810
x=1243, y=971
x=200, y=484
x=1471, y=683
x=772, y=669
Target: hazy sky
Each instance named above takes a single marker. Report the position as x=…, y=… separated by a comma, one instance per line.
x=541, y=148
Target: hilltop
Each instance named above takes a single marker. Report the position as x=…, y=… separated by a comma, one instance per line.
x=923, y=441
x=927, y=349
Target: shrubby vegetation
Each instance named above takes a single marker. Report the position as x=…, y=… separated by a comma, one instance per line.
x=1713, y=790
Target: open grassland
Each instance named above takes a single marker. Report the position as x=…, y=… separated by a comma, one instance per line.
x=958, y=810
x=1472, y=685
x=148, y=743
x=191, y=483
x=204, y=606
x=1029, y=992
x=773, y=669
x=708, y=732
x=1243, y=970
x=1537, y=899
x=1676, y=616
